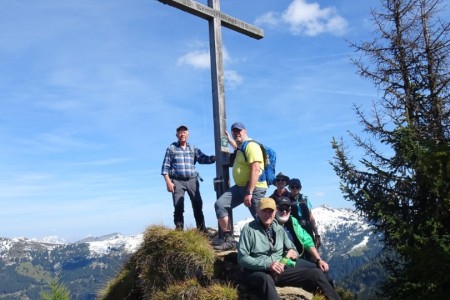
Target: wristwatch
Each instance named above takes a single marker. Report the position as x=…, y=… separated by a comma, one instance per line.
x=317, y=261
x=248, y=192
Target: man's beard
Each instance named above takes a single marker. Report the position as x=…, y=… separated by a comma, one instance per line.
x=282, y=219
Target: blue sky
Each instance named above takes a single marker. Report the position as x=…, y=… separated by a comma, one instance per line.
x=91, y=93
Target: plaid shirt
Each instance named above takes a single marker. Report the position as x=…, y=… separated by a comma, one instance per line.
x=180, y=163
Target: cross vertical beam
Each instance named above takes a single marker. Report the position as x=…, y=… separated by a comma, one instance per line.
x=216, y=19
x=221, y=182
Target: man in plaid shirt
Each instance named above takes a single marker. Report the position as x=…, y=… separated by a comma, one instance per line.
x=179, y=172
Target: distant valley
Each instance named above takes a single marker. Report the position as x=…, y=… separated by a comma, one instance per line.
x=84, y=267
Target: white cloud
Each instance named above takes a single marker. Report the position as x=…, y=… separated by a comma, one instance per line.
x=198, y=59
x=307, y=18
x=312, y=20
x=271, y=19
x=233, y=78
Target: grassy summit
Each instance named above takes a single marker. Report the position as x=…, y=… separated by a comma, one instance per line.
x=170, y=265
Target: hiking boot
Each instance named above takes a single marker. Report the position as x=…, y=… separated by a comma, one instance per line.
x=179, y=226
x=202, y=228
x=228, y=244
x=217, y=241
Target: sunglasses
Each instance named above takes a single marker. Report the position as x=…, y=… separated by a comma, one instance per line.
x=286, y=209
x=279, y=180
x=294, y=187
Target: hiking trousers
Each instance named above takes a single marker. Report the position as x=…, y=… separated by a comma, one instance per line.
x=309, y=279
x=192, y=187
x=234, y=197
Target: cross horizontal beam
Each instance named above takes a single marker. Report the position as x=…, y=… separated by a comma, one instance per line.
x=208, y=13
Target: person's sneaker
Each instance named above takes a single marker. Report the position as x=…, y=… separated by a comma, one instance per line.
x=228, y=244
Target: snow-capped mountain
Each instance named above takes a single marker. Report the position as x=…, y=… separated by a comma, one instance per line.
x=85, y=266
x=104, y=245
x=333, y=224
x=23, y=248
x=26, y=265
x=343, y=232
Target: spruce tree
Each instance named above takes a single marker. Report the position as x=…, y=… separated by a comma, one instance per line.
x=58, y=291
x=402, y=181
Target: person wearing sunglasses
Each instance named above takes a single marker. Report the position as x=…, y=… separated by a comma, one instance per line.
x=281, y=182
x=301, y=210
x=263, y=244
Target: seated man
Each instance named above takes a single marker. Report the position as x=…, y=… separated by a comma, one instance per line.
x=261, y=246
x=301, y=239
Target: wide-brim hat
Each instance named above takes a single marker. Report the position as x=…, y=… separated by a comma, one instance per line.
x=282, y=177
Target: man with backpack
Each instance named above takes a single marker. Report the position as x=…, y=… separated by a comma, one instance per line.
x=179, y=172
x=249, y=188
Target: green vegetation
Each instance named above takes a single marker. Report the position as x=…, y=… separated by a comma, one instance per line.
x=401, y=183
x=192, y=290
x=168, y=256
x=82, y=274
x=35, y=272
x=166, y=261
x=57, y=291
x=123, y=285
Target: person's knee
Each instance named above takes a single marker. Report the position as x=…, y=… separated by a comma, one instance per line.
x=318, y=275
x=268, y=279
x=261, y=280
x=220, y=209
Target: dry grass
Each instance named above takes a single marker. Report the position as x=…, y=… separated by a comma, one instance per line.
x=123, y=285
x=166, y=258
x=192, y=290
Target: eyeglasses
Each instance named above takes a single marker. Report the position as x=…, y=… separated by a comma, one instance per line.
x=296, y=187
x=282, y=209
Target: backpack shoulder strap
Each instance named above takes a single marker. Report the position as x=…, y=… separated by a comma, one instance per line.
x=244, y=146
x=192, y=149
x=172, y=147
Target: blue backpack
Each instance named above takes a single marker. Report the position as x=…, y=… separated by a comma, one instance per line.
x=270, y=161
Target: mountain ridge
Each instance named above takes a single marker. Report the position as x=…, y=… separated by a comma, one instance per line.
x=348, y=244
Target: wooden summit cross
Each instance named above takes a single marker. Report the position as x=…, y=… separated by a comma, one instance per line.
x=215, y=19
